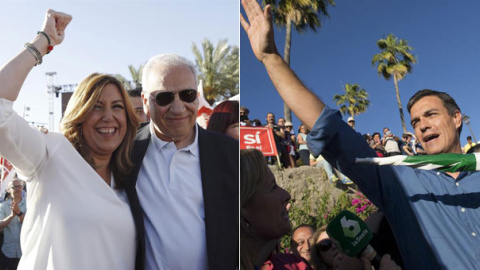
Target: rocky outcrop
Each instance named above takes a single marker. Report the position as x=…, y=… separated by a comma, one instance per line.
x=298, y=181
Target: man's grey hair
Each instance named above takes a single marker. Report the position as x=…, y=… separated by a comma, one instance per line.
x=15, y=178
x=168, y=60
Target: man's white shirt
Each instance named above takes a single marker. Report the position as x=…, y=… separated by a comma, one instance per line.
x=169, y=188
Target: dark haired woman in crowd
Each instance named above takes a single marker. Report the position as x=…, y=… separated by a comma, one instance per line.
x=224, y=119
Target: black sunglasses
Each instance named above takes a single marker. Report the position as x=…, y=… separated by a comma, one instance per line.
x=165, y=98
x=324, y=245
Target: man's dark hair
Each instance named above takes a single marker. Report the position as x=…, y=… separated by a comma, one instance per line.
x=469, y=138
x=256, y=123
x=448, y=102
x=293, y=244
x=137, y=92
x=246, y=111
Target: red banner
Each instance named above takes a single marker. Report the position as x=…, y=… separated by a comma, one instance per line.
x=260, y=138
x=5, y=167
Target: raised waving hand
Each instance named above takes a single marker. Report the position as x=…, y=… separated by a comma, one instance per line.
x=259, y=28
x=306, y=106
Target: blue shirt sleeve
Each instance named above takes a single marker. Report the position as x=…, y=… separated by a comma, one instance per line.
x=340, y=145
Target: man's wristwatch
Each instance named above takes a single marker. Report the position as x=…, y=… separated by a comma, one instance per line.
x=19, y=214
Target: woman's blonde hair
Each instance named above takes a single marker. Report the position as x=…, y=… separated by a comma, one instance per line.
x=253, y=168
x=82, y=102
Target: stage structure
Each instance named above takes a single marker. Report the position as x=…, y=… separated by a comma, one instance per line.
x=54, y=90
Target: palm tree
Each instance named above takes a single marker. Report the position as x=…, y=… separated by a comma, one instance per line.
x=354, y=101
x=126, y=83
x=136, y=75
x=302, y=14
x=218, y=68
x=231, y=73
x=395, y=60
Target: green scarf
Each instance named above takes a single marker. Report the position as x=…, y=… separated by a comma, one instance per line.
x=441, y=162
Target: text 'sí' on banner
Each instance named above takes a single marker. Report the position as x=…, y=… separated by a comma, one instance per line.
x=260, y=138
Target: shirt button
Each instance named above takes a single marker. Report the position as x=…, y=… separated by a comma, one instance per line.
x=463, y=209
x=457, y=184
x=474, y=234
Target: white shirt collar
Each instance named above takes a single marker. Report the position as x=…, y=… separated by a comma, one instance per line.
x=159, y=143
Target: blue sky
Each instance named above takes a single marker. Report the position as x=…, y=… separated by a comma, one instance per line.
x=443, y=33
x=107, y=36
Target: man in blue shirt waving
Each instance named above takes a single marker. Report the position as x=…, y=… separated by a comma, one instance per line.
x=435, y=216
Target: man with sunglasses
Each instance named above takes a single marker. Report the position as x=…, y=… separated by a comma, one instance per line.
x=185, y=180
x=12, y=213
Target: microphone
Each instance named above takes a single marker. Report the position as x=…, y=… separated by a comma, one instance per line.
x=352, y=236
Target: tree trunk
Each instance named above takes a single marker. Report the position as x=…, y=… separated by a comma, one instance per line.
x=208, y=95
x=395, y=81
x=286, y=56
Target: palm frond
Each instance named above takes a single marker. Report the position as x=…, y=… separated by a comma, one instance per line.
x=354, y=101
x=218, y=68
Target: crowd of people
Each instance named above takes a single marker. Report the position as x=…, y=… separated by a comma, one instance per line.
x=130, y=182
x=293, y=149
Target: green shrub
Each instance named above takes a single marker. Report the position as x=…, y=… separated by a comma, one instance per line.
x=321, y=212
